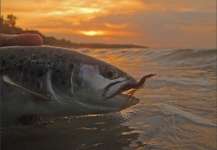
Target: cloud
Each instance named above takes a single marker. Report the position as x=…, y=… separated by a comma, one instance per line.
x=116, y=26
x=70, y=11
x=180, y=6
x=194, y=28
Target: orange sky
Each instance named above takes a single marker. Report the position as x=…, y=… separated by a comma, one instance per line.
x=153, y=23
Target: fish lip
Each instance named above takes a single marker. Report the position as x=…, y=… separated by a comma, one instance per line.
x=109, y=86
x=131, y=101
x=127, y=100
x=127, y=86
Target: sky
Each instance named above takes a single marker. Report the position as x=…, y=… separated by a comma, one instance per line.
x=152, y=23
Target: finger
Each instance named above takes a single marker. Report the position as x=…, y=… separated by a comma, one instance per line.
x=21, y=40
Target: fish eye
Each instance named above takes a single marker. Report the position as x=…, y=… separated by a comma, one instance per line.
x=111, y=73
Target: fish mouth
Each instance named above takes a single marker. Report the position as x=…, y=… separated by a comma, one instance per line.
x=126, y=89
x=122, y=90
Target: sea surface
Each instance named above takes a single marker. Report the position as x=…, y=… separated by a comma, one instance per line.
x=177, y=110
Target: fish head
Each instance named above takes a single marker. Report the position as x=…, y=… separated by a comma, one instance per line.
x=100, y=88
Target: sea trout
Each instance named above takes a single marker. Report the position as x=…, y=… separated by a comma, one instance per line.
x=52, y=81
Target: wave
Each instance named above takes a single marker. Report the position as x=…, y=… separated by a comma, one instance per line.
x=204, y=59
x=186, y=57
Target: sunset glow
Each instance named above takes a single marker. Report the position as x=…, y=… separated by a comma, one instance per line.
x=168, y=23
x=92, y=33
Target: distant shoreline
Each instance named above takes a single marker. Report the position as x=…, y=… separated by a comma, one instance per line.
x=52, y=41
x=8, y=27
x=66, y=43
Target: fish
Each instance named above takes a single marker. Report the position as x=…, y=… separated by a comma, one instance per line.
x=54, y=81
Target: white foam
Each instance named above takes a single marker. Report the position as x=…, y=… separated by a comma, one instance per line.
x=168, y=109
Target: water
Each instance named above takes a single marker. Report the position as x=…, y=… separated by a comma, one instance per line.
x=190, y=76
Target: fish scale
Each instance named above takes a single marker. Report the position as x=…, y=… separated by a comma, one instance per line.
x=18, y=67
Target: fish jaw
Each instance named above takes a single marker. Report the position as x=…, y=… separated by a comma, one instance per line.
x=114, y=94
x=114, y=104
x=119, y=87
x=122, y=100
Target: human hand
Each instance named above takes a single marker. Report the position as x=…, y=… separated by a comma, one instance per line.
x=21, y=40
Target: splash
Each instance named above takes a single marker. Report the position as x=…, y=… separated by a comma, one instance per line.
x=174, y=126
x=168, y=109
x=171, y=110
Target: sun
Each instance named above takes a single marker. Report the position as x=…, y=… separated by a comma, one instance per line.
x=93, y=33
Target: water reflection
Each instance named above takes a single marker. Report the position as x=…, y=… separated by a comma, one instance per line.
x=95, y=132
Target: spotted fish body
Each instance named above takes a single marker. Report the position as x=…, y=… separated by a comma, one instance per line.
x=44, y=80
